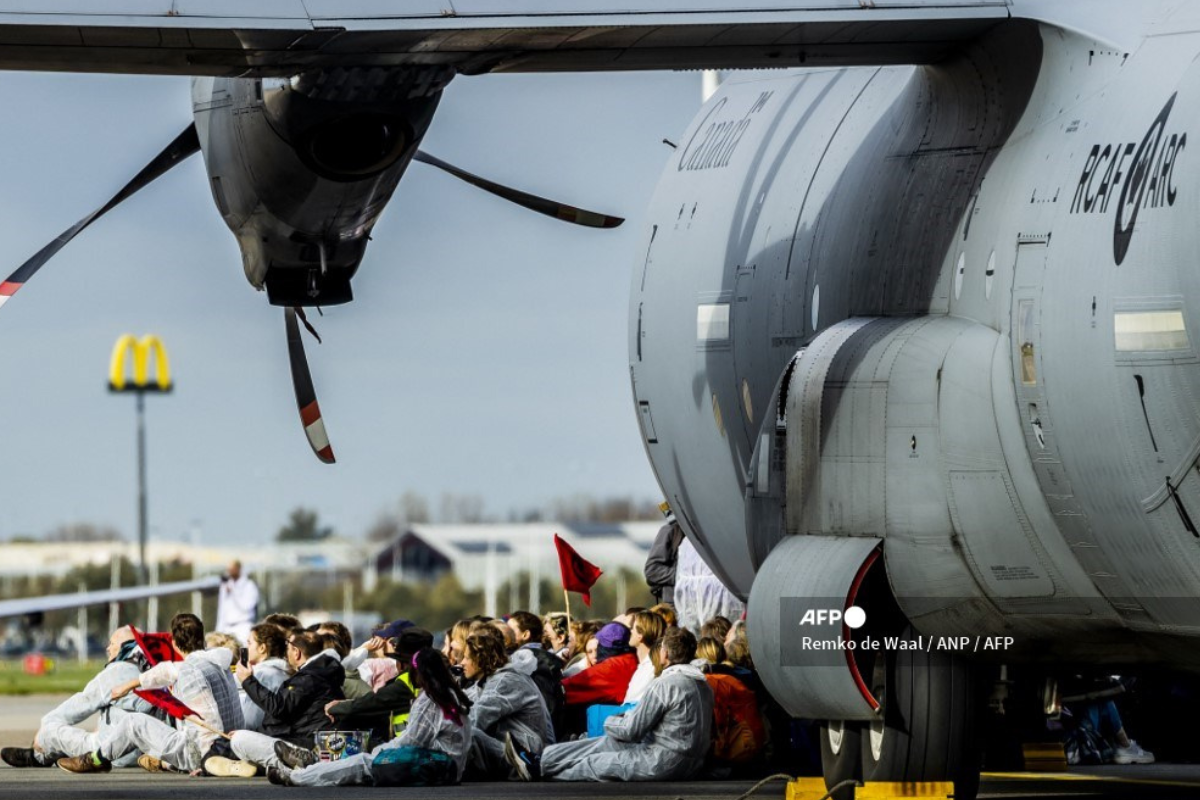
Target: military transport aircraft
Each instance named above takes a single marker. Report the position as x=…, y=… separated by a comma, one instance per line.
x=909, y=331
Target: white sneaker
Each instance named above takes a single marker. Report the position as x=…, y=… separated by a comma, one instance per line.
x=1134, y=754
x=222, y=767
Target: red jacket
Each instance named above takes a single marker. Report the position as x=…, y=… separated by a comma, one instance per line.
x=604, y=683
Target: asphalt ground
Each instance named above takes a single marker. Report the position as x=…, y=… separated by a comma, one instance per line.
x=19, y=717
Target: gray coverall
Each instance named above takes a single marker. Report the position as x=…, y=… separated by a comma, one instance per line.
x=58, y=734
x=509, y=702
x=664, y=738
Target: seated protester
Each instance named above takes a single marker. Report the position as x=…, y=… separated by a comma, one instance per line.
x=385, y=711
x=717, y=628
x=201, y=681
x=287, y=622
x=510, y=639
x=58, y=736
x=665, y=738
x=710, y=650
x=667, y=612
x=266, y=655
x=739, y=735
x=608, y=681
x=588, y=654
x=432, y=750
x=556, y=635
x=646, y=632
x=538, y=663
x=503, y=701
x=293, y=713
x=340, y=633
x=376, y=647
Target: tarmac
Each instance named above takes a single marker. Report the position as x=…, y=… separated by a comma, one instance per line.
x=19, y=718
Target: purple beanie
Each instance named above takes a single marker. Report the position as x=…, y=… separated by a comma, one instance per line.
x=614, y=634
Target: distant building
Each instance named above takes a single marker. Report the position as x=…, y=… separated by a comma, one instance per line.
x=484, y=556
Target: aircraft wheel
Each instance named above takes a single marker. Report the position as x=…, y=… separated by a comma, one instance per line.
x=841, y=746
x=927, y=730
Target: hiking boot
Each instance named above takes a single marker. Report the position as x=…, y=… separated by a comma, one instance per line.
x=279, y=777
x=88, y=762
x=294, y=756
x=22, y=757
x=229, y=768
x=1134, y=754
x=527, y=766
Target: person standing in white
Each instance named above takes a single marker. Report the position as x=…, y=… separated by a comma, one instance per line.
x=237, y=603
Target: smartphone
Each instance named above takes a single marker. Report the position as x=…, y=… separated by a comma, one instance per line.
x=244, y=657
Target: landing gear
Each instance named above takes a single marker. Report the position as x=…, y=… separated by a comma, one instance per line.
x=841, y=755
x=927, y=730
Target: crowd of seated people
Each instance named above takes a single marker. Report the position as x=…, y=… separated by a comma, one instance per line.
x=502, y=699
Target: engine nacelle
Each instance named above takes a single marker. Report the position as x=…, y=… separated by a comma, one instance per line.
x=301, y=168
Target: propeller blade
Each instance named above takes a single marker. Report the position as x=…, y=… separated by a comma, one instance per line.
x=306, y=396
x=185, y=144
x=542, y=205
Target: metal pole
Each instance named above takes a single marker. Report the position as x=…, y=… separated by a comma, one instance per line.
x=141, y=446
x=81, y=623
x=114, y=582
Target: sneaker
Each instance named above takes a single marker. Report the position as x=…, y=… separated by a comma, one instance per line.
x=88, y=762
x=279, y=777
x=528, y=767
x=1134, y=754
x=294, y=756
x=153, y=764
x=22, y=757
x=223, y=767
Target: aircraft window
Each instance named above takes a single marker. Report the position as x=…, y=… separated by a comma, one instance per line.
x=717, y=415
x=746, y=403
x=958, y=274
x=1136, y=331
x=989, y=276
x=712, y=322
x=816, y=306
x=1025, y=317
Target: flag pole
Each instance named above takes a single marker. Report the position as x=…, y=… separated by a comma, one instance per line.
x=208, y=728
x=567, y=599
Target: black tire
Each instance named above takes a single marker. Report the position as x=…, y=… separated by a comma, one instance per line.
x=841, y=755
x=928, y=729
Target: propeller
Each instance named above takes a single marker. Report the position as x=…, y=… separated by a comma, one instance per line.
x=306, y=395
x=186, y=144
x=542, y=205
x=176, y=152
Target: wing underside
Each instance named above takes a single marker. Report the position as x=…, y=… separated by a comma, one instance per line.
x=281, y=37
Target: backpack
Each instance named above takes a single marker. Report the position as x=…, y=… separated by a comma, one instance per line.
x=738, y=732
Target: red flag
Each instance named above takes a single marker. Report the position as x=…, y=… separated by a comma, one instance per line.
x=158, y=647
x=578, y=575
x=161, y=698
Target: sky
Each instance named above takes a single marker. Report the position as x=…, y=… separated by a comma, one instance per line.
x=485, y=353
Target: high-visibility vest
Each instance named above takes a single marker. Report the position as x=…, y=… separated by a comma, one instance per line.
x=400, y=721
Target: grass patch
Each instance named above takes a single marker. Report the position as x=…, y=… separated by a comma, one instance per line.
x=65, y=677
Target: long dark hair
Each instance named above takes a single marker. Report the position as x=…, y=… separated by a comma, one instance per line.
x=434, y=679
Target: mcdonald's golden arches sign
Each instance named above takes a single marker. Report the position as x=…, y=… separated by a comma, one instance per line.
x=143, y=350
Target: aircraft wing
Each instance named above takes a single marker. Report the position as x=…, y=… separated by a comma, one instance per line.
x=234, y=38
x=58, y=602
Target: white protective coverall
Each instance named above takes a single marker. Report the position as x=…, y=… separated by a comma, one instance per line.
x=664, y=738
x=427, y=728
x=237, y=607
x=508, y=702
x=204, y=683
x=58, y=734
x=271, y=674
x=699, y=594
